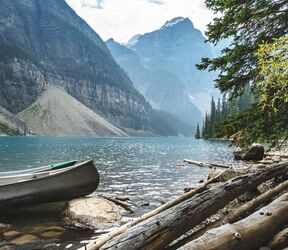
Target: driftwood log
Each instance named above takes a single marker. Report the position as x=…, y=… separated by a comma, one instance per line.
x=158, y=231
x=281, y=155
x=249, y=233
x=105, y=238
x=206, y=164
x=123, y=204
x=236, y=214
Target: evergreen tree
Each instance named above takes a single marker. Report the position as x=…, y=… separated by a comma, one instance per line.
x=198, y=135
x=218, y=111
x=203, y=128
x=212, y=118
x=207, y=126
x=248, y=23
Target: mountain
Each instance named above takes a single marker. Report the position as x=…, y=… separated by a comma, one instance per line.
x=44, y=43
x=10, y=124
x=59, y=114
x=166, y=58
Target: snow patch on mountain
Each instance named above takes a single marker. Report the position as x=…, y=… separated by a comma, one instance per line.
x=173, y=22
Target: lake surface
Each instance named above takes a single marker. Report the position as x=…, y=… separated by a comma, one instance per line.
x=145, y=168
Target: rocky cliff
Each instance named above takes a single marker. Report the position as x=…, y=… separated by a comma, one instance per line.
x=169, y=56
x=45, y=43
x=10, y=124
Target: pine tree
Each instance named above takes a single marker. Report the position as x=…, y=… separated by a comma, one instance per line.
x=248, y=24
x=198, y=135
x=207, y=126
x=203, y=128
x=212, y=118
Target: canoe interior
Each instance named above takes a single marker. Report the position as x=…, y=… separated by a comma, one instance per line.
x=7, y=180
x=39, y=169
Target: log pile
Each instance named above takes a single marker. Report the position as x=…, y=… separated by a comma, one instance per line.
x=261, y=222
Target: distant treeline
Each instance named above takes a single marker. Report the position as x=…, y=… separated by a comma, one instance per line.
x=221, y=111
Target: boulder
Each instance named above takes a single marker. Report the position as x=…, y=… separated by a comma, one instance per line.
x=255, y=153
x=92, y=212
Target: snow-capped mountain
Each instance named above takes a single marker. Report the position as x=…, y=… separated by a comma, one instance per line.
x=166, y=60
x=173, y=22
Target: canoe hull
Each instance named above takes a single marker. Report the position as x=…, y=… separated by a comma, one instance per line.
x=80, y=180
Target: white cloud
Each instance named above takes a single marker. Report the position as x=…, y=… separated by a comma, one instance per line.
x=122, y=19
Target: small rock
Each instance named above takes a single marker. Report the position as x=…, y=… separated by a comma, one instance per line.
x=11, y=234
x=28, y=238
x=51, y=234
x=255, y=153
x=144, y=204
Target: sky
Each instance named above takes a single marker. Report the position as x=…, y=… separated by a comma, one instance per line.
x=122, y=19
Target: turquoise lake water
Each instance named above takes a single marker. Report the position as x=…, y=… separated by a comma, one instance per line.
x=145, y=168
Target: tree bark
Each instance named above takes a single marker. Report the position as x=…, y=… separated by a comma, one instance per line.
x=236, y=214
x=161, y=229
x=249, y=233
x=105, y=238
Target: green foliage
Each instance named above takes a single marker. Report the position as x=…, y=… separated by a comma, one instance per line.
x=4, y=129
x=226, y=109
x=249, y=23
x=273, y=65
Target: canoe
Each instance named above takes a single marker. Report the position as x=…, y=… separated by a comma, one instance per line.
x=22, y=175
x=51, y=186
x=39, y=169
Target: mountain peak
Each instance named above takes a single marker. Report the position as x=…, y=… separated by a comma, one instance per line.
x=176, y=21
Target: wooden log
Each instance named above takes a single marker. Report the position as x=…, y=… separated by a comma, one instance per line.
x=105, y=238
x=123, y=204
x=272, y=154
x=236, y=214
x=280, y=240
x=160, y=230
x=205, y=164
x=249, y=233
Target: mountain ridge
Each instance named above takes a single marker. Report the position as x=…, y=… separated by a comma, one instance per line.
x=45, y=43
x=175, y=48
